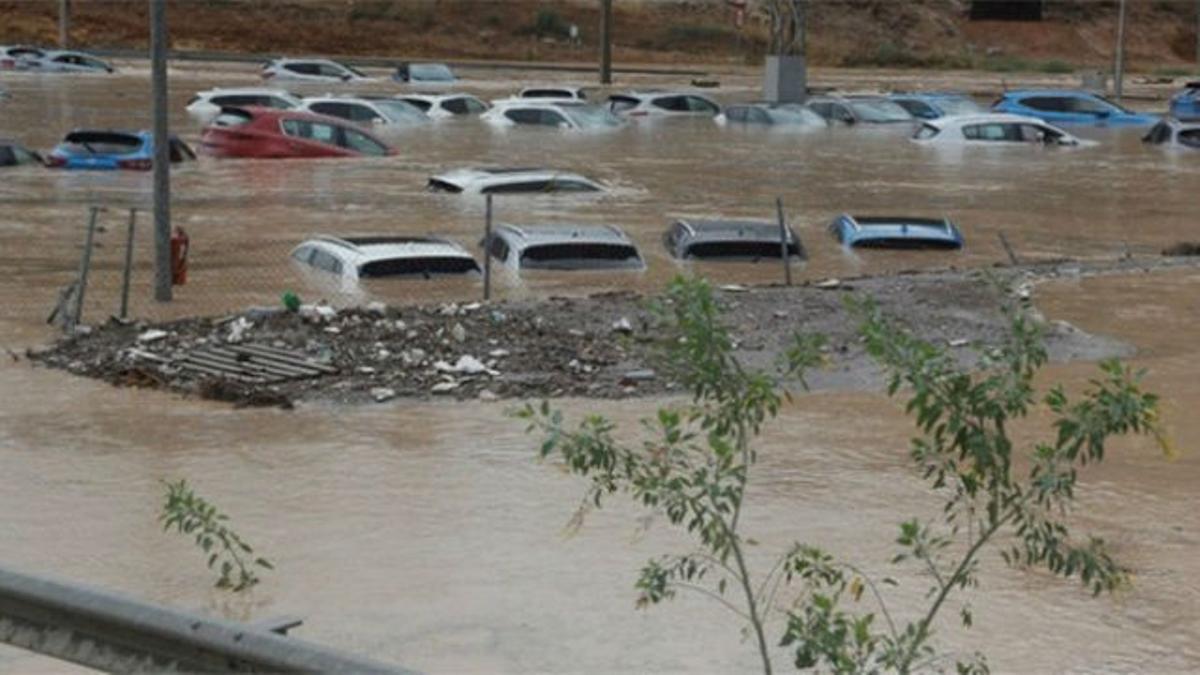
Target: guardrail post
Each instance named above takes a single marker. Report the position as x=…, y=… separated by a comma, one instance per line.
x=85, y=265
x=128, y=264
x=783, y=242
x=487, y=254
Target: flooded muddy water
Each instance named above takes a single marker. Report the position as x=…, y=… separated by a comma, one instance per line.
x=427, y=534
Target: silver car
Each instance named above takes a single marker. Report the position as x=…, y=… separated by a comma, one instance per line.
x=311, y=70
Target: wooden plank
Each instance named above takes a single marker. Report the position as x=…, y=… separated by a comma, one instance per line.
x=231, y=369
x=289, y=358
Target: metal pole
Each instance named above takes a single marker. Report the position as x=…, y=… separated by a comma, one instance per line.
x=64, y=24
x=1198, y=33
x=605, y=41
x=783, y=242
x=1119, y=68
x=162, y=152
x=487, y=251
x=85, y=265
x=128, y=264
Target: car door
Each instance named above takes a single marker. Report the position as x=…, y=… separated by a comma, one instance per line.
x=918, y=109
x=701, y=106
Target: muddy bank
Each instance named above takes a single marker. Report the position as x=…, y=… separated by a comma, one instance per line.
x=602, y=346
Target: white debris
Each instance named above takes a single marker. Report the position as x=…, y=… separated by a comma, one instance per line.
x=152, y=335
x=444, y=387
x=959, y=342
x=470, y=308
x=366, y=370
x=780, y=314
x=381, y=394
x=623, y=326
x=487, y=395
x=459, y=333
x=448, y=310
x=377, y=307
x=498, y=353
x=333, y=330
x=317, y=313
x=401, y=326
x=734, y=288
x=466, y=365
x=828, y=283
x=238, y=328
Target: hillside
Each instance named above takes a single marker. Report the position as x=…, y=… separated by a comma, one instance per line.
x=930, y=33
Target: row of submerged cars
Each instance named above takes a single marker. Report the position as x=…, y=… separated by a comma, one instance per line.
x=571, y=247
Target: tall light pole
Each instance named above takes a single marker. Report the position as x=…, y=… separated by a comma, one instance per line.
x=1119, y=66
x=64, y=24
x=605, y=41
x=162, y=152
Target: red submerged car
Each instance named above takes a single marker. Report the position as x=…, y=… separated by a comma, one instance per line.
x=270, y=133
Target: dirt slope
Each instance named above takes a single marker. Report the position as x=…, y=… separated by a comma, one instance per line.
x=843, y=32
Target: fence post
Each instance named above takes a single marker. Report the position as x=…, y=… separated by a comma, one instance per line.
x=487, y=253
x=85, y=264
x=783, y=242
x=162, y=152
x=128, y=264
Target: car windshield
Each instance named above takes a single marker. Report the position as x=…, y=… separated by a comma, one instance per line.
x=879, y=110
x=592, y=116
x=795, y=114
x=581, y=256
x=1190, y=138
x=425, y=266
x=430, y=72
x=401, y=111
x=420, y=104
x=355, y=71
x=100, y=143
x=959, y=105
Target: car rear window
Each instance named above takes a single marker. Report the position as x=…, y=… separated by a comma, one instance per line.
x=425, y=266
x=748, y=250
x=232, y=118
x=101, y=143
x=1190, y=138
x=438, y=185
x=581, y=256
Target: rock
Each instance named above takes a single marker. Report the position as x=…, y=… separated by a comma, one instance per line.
x=82, y=329
x=622, y=326
x=448, y=310
x=734, y=288
x=470, y=307
x=259, y=313
x=377, y=308
x=959, y=342
x=459, y=333
x=466, y=365
x=365, y=370
x=498, y=353
x=828, y=283
x=152, y=335
x=631, y=378
x=444, y=387
x=780, y=314
x=488, y=395
x=333, y=330
x=401, y=326
x=381, y=394
x=317, y=313
x=575, y=332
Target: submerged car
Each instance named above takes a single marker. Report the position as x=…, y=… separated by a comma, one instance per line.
x=1185, y=104
x=560, y=115
x=311, y=70
x=205, y=105
x=895, y=232
x=108, y=150
x=771, y=114
x=267, y=133
x=935, y=105
x=66, y=61
x=13, y=153
x=424, y=73
x=373, y=256
x=992, y=128
x=19, y=57
x=563, y=247
x=1069, y=106
x=511, y=181
x=728, y=239
x=369, y=111
x=859, y=109
x=662, y=103
x=445, y=105
x=1173, y=132
x=556, y=92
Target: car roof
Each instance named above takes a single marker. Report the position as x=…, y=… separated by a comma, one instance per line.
x=493, y=175
x=310, y=59
x=731, y=229
x=217, y=91
x=435, y=98
x=928, y=94
x=561, y=87
x=373, y=247
x=981, y=118
x=525, y=236
x=1051, y=92
x=884, y=221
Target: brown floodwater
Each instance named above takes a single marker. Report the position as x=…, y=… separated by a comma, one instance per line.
x=426, y=533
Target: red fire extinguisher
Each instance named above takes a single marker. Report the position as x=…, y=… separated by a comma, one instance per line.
x=179, y=252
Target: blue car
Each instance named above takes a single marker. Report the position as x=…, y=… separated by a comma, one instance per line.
x=1069, y=106
x=1185, y=105
x=934, y=105
x=109, y=150
x=895, y=232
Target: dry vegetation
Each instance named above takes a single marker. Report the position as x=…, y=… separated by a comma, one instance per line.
x=924, y=33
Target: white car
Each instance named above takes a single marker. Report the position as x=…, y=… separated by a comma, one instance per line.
x=557, y=114
x=206, y=105
x=510, y=181
x=373, y=256
x=311, y=70
x=19, y=57
x=563, y=247
x=429, y=74
x=1174, y=133
x=992, y=129
x=662, y=103
x=368, y=111
x=554, y=92
x=445, y=105
x=67, y=61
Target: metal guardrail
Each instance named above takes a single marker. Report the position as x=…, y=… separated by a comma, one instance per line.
x=106, y=631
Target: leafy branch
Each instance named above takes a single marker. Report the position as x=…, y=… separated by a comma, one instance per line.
x=191, y=514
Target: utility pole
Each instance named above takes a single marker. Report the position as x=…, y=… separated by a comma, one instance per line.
x=162, y=152
x=1119, y=66
x=1198, y=33
x=64, y=24
x=605, y=41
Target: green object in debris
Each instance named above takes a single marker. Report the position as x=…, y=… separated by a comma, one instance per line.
x=291, y=301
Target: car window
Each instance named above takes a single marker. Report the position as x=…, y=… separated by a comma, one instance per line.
x=572, y=185
x=430, y=72
x=323, y=260
x=758, y=116
x=92, y=63
x=356, y=140
x=303, y=254
x=621, y=103
x=332, y=109
x=1159, y=133
x=498, y=248
x=672, y=103
x=822, y=108
x=303, y=68
x=1035, y=133
x=736, y=113
x=101, y=143
x=8, y=156
x=1047, y=103
x=840, y=113
x=314, y=131
x=993, y=132
x=423, y=266
x=473, y=106
x=458, y=106
x=524, y=116
x=361, y=113
x=553, y=118
x=179, y=151
x=231, y=118
x=523, y=186
x=580, y=256
x=330, y=70
x=927, y=131
x=1190, y=138
x=421, y=104
x=697, y=104
x=917, y=108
